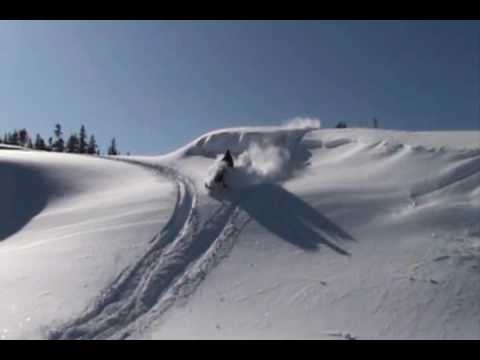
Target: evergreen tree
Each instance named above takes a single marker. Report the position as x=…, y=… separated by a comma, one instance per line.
x=23, y=137
x=112, y=149
x=14, y=138
x=50, y=143
x=92, y=145
x=82, y=141
x=73, y=144
x=58, y=145
x=39, y=143
x=29, y=144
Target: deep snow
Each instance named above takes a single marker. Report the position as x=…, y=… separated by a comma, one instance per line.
x=342, y=233
x=69, y=225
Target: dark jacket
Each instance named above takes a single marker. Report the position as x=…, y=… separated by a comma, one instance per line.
x=228, y=158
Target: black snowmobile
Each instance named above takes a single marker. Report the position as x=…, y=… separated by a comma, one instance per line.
x=219, y=178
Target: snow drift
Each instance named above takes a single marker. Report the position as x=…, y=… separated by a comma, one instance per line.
x=239, y=140
x=69, y=224
x=337, y=233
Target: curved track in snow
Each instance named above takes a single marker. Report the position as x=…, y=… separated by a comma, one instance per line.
x=179, y=257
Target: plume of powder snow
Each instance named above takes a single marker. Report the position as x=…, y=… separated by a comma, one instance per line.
x=302, y=123
x=264, y=162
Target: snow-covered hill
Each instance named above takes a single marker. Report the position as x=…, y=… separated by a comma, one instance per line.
x=69, y=225
x=345, y=233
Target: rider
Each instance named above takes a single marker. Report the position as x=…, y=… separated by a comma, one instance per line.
x=228, y=159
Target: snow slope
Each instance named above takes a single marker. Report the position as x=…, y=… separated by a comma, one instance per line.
x=345, y=233
x=376, y=236
x=11, y=147
x=70, y=224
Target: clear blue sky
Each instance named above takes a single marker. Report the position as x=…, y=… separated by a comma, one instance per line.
x=156, y=85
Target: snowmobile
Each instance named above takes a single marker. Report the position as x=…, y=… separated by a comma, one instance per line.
x=219, y=177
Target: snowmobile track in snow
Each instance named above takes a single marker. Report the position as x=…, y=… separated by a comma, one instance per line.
x=179, y=257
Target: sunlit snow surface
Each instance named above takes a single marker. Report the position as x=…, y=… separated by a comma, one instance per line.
x=327, y=234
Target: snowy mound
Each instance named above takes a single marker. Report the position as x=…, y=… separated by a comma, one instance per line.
x=376, y=236
x=70, y=224
x=337, y=233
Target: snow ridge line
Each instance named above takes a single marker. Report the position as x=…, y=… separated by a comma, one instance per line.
x=178, y=259
x=464, y=171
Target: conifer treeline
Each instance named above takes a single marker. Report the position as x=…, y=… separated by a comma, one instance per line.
x=76, y=143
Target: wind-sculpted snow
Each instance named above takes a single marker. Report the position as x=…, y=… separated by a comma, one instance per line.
x=409, y=203
x=352, y=234
x=70, y=224
x=462, y=177
x=240, y=140
x=24, y=193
